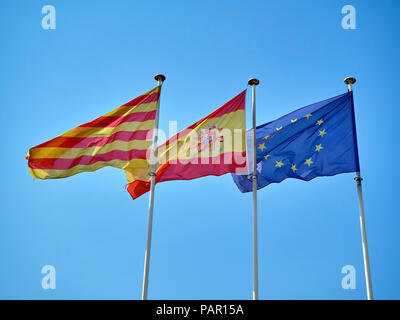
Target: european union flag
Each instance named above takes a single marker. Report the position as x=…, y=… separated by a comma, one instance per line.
x=317, y=140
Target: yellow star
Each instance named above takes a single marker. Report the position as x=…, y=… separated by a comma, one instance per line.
x=308, y=116
x=261, y=147
x=293, y=120
x=279, y=163
x=266, y=137
x=309, y=161
x=320, y=121
x=318, y=147
x=250, y=177
x=322, y=133
x=267, y=156
x=294, y=168
x=277, y=129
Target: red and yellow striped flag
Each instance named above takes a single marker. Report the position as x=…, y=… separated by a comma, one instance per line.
x=215, y=145
x=120, y=138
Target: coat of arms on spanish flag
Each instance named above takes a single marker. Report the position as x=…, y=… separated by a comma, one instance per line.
x=121, y=138
x=215, y=145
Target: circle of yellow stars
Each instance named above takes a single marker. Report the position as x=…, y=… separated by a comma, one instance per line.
x=308, y=161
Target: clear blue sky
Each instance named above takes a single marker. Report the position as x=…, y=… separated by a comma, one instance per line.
x=105, y=53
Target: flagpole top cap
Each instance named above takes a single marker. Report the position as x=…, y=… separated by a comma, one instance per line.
x=159, y=77
x=350, y=80
x=253, y=82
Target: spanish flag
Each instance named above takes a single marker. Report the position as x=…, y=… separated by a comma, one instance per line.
x=215, y=145
x=121, y=138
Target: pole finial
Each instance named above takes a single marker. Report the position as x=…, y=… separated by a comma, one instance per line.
x=253, y=82
x=350, y=80
x=159, y=77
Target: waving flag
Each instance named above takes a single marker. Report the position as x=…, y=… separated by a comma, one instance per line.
x=215, y=145
x=120, y=139
x=317, y=140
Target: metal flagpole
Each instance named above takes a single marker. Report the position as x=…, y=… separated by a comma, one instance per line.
x=160, y=78
x=254, y=82
x=349, y=81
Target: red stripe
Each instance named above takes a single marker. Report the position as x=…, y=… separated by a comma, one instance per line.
x=82, y=142
x=146, y=98
x=113, y=121
x=137, y=188
x=189, y=171
x=224, y=163
x=65, y=164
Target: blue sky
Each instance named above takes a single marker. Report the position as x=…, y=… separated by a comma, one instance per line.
x=103, y=54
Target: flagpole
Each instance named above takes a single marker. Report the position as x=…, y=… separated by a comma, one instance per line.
x=253, y=82
x=160, y=78
x=349, y=81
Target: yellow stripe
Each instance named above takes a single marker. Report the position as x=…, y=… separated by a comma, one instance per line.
x=143, y=107
x=72, y=153
x=123, y=111
x=91, y=132
x=133, y=174
x=230, y=121
x=186, y=153
x=56, y=174
x=233, y=120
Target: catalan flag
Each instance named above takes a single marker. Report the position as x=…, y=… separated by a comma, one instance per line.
x=120, y=139
x=214, y=145
x=316, y=140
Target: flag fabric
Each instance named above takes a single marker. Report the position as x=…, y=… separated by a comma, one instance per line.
x=121, y=138
x=317, y=140
x=215, y=145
